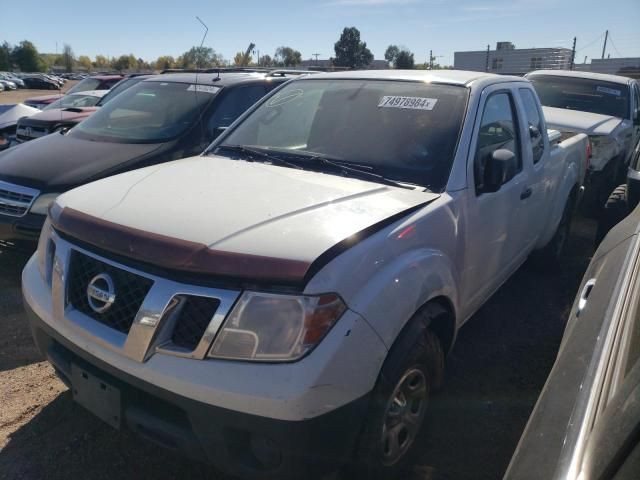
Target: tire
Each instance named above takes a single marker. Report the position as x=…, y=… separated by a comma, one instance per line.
x=413, y=368
x=614, y=211
x=550, y=257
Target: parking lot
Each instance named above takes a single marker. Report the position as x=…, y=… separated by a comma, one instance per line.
x=494, y=374
x=20, y=95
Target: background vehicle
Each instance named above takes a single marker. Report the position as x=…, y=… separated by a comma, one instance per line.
x=9, y=116
x=40, y=83
x=339, y=233
x=64, y=113
x=585, y=424
x=13, y=78
x=8, y=84
x=623, y=200
x=605, y=107
x=159, y=119
x=41, y=102
x=99, y=82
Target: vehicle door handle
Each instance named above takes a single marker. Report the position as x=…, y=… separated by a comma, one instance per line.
x=526, y=194
x=584, y=295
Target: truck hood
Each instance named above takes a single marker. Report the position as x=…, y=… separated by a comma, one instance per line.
x=56, y=163
x=580, y=122
x=64, y=114
x=231, y=217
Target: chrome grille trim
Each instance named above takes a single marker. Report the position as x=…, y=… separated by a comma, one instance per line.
x=15, y=200
x=153, y=325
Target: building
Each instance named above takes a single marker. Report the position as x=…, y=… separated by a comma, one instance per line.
x=508, y=60
x=628, y=66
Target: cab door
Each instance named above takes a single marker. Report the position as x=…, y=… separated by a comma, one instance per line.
x=497, y=227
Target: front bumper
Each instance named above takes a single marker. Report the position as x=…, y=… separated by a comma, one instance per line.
x=248, y=446
x=21, y=233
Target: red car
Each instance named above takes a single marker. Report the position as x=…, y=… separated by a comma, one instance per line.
x=99, y=82
x=64, y=113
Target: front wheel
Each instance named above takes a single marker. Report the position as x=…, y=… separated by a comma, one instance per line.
x=413, y=368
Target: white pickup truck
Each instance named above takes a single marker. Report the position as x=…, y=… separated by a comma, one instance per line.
x=605, y=107
x=286, y=300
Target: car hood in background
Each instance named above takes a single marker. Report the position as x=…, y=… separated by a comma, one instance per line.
x=230, y=217
x=62, y=115
x=580, y=122
x=10, y=114
x=44, y=98
x=57, y=162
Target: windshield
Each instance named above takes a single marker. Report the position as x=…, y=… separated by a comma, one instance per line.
x=119, y=87
x=86, y=84
x=582, y=94
x=74, y=100
x=404, y=131
x=150, y=112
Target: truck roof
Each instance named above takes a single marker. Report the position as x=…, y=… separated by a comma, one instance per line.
x=452, y=77
x=225, y=78
x=604, y=77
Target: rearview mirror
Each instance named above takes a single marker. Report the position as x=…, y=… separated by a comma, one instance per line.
x=500, y=168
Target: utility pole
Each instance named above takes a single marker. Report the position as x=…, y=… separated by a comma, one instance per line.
x=430, y=59
x=573, y=53
x=604, y=47
x=316, y=55
x=486, y=66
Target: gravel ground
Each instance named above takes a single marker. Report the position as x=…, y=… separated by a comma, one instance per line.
x=494, y=374
x=21, y=94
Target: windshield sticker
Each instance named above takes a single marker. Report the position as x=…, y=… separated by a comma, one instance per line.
x=609, y=91
x=286, y=97
x=203, y=88
x=414, y=103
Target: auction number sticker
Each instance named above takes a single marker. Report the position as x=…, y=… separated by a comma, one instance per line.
x=609, y=91
x=414, y=103
x=203, y=88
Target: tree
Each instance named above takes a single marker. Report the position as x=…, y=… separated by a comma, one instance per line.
x=101, y=62
x=164, y=62
x=85, y=62
x=265, y=61
x=5, y=56
x=200, y=57
x=350, y=51
x=404, y=59
x=125, y=62
x=391, y=53
x=25, y=56
x=239, y=60
x=287, y=57
x=68, y=58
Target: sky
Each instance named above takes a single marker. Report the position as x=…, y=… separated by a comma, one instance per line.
x=150, y=28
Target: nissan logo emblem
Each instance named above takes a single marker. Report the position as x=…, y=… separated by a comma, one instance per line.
x=28, y=132
x=101, y=293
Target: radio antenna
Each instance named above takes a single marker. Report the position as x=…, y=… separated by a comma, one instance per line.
x=198, y=67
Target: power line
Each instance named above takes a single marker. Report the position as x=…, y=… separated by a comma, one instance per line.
x=591, y=42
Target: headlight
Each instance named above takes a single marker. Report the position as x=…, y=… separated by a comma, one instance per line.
x=276, y=328
x=43, y=202
x=46, y=251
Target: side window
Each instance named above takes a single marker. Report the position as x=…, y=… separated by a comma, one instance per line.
x=498, y=130
x=534, y=123
x=234, y=102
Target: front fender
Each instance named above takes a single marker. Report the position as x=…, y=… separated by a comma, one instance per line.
x=398, y=290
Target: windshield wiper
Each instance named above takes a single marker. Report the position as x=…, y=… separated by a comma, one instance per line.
x=251, y=152
x=352, y=169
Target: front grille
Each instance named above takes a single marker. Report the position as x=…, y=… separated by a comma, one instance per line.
x=130, y=291
x=15, y=200
x=194, y=318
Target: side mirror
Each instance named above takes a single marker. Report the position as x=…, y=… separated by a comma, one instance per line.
x=500, y=168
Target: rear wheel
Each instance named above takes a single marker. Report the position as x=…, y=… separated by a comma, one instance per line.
x=413, y=368
x=549, y=257
x=615, y=209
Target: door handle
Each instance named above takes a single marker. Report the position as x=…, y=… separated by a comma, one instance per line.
x=526, y=193
x=584, y=295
